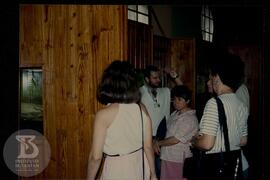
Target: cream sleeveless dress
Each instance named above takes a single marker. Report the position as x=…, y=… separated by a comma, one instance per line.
x=124, y=136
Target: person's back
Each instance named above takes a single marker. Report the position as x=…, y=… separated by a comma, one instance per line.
x=236, y=114
x=118, y=132
x=124, y=135
x=123, y=142
x=243, y=94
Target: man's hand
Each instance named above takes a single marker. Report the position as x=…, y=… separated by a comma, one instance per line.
x=173, y=74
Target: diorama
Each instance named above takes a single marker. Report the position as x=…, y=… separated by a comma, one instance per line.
x=31, y=106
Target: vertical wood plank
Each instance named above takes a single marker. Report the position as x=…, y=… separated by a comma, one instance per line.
x=183, y=61
x=140, y=42
x=73, y=44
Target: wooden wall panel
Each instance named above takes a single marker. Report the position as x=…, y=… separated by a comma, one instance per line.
x=73, y=44
x=183, y=62
x=162, y=57
x=140, y=44
x=161, y=51
x=31, y=42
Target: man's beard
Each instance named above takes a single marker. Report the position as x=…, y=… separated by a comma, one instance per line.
x=154, y=86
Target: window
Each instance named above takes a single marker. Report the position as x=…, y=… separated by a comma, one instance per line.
x=138, y=13
x=207, y=24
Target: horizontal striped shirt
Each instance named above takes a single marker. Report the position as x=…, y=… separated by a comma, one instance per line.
x=236, y=114
x=243, y=95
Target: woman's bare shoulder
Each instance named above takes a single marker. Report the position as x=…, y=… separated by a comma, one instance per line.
x=109, y=110
x=108, y=113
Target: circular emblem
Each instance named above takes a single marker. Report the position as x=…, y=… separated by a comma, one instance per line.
x=27, y=152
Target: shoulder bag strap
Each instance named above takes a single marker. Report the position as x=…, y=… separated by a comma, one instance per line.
x=142, y=140
x=223, y=123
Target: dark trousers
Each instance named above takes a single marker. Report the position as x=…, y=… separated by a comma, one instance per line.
x=157, y=165
x=157, y=162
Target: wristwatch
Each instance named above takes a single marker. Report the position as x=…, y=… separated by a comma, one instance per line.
x=176, y=76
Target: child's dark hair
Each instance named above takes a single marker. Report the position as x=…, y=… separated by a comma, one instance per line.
x=181, y=91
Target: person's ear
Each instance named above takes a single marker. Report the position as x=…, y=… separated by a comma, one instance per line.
x=188, y=101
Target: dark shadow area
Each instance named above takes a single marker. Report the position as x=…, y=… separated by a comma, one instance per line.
x=9, y=63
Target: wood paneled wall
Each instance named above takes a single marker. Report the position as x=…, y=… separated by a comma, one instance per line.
x=140, y=44
x=162, y=56
x=183, y=62
x=73, y=44
x=161, y=51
